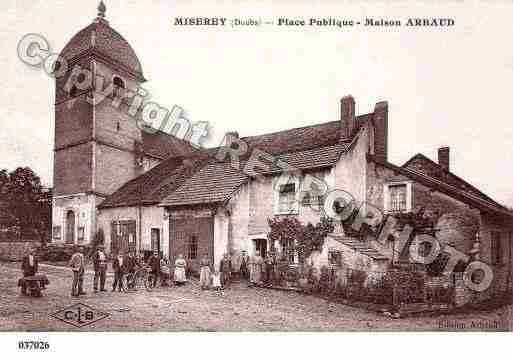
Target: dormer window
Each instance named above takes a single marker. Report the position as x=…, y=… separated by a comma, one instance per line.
x=397, y=197
x=119, y=86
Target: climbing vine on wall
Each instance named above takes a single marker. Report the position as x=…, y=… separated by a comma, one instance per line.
x=295, y=236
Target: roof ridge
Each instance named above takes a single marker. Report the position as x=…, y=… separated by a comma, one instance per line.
x=304, y=127
x=452, y=174
x=496, y=206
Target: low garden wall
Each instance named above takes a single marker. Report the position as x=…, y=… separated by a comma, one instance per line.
x=16, y=250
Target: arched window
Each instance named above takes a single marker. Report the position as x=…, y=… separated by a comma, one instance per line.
x=119, y=86
x=73, y=92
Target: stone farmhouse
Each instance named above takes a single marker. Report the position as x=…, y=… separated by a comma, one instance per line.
x=157, y=192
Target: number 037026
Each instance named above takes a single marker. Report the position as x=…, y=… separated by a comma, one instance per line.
x=33, y=345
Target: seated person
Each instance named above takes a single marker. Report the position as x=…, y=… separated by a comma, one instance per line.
x=30, y=266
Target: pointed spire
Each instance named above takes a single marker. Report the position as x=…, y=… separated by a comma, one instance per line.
x=101, y=13
x=101, y=10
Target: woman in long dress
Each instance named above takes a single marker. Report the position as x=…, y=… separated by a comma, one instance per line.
x=180, y=265
x=204, y=273
x=255, y=275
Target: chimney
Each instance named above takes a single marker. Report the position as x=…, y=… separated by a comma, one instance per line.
x=347, y=117
x=443, y=157
x=233, y=134
x=380, y=120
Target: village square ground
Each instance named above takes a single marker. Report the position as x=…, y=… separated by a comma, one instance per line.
x=190, y=309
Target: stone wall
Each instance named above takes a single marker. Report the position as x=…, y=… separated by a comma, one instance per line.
x=16, y=250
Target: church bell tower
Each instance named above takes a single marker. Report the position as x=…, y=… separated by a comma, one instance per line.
x=97, y=143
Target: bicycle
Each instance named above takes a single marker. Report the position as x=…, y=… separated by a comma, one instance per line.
x=142, y=277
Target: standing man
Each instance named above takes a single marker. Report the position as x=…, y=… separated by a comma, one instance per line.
x=77, y=265
x=100, y=268
x=154, y=263
x=244, y=263
x=269, y=263
x=29, y=266
x=118, y=265
x=225, y=267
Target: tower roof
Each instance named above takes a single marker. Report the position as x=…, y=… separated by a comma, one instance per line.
x=101, y=39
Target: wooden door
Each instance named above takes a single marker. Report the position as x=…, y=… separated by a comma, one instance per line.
x=193, y=238
x=123, y=236
x=155, y=240
x=70, y=227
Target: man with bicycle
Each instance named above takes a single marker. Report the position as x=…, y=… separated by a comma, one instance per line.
x=132, y=264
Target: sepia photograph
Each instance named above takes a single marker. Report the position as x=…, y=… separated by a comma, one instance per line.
x=255, y=166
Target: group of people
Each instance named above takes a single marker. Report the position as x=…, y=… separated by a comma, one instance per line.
x=217, y=278
x=255, y=269
x=157, y=265
x=262, y=269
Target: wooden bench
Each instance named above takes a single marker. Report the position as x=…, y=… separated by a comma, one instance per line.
x=34, y=284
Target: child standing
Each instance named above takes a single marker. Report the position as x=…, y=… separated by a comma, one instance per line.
x=216, y=281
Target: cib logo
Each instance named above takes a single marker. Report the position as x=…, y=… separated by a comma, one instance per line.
x=79, y=315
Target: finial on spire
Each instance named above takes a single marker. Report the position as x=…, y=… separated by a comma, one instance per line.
x=101, y=10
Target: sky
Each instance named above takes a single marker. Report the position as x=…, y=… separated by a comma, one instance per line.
x=445, y=86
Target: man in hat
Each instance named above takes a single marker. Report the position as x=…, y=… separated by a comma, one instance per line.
x=77, y=264
x=100, y=268
x=225, y=268
x=29, y=266
x=118, y=265
x=154, y=263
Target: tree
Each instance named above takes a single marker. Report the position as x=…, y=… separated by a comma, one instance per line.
x=5, y=216
x=24, y=207
x=296, y=237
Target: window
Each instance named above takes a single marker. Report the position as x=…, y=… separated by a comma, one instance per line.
x=192, y=247
x=397, y=197
x=496, y=248
x=287, y=198
x=335, y=258
x=56, y=232
x=73, y=91
x=80, y=234
x=311, y=199
x=288, y=250
x=119, y=86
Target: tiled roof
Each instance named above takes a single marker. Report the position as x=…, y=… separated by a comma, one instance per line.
x=100, y=37
x=302, y=138
x=423, y=164
x=360, y=247
x=218, y=180
x=455, y=192
x=162, y=145
x=156, y=184
x=214, y=183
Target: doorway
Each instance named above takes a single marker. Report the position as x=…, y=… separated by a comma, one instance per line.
x=155, y=240
x=70, y=227
x=260, y=246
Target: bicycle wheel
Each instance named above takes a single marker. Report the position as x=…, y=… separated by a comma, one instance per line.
x=140, y=279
